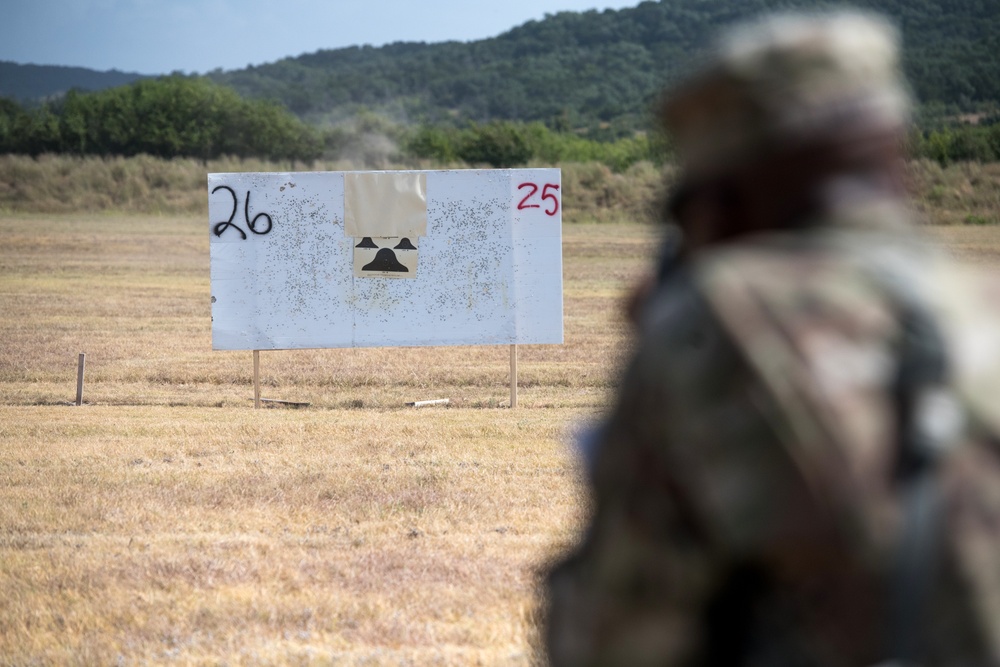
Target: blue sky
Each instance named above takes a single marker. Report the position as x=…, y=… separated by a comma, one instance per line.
x=162, y=36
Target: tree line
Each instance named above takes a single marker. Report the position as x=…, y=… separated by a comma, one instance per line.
x=167, y=117
x=509, y=144
x=179, y=116
x=959, y=142
x=506, y=144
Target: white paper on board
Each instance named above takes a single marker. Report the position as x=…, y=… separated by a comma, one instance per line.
x=484, y=266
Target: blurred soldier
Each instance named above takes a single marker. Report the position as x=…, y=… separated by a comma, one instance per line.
x=802, y=466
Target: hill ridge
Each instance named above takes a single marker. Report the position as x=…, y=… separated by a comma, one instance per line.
x=28, y=81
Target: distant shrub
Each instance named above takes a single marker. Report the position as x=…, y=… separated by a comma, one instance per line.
x=505, y=144
x=499, y=144
x=957, y=143
x=973, y=219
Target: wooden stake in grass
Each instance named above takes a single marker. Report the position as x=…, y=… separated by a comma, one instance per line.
x=79, y=378
x=513, y=376
x=256, y=379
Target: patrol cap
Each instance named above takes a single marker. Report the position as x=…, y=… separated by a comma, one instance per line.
x=788, y=80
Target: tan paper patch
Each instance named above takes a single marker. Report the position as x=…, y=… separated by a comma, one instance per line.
x=385, y=205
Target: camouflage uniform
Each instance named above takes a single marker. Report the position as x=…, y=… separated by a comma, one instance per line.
x=745, y=505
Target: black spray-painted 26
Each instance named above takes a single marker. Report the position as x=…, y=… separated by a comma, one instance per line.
x=220, y=227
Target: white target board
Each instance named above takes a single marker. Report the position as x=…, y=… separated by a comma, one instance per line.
x=372, y=259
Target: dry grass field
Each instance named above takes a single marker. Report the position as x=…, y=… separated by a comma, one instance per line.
x=166, y=521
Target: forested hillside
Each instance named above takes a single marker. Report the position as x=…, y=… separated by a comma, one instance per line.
x=574, y=87
x=603, y=68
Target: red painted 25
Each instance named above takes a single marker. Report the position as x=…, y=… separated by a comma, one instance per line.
x=550, y=194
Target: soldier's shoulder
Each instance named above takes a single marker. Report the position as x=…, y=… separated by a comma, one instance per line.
x=829, y=304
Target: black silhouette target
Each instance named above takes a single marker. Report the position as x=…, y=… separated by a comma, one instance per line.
x=385, y=260
x=385, y=257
